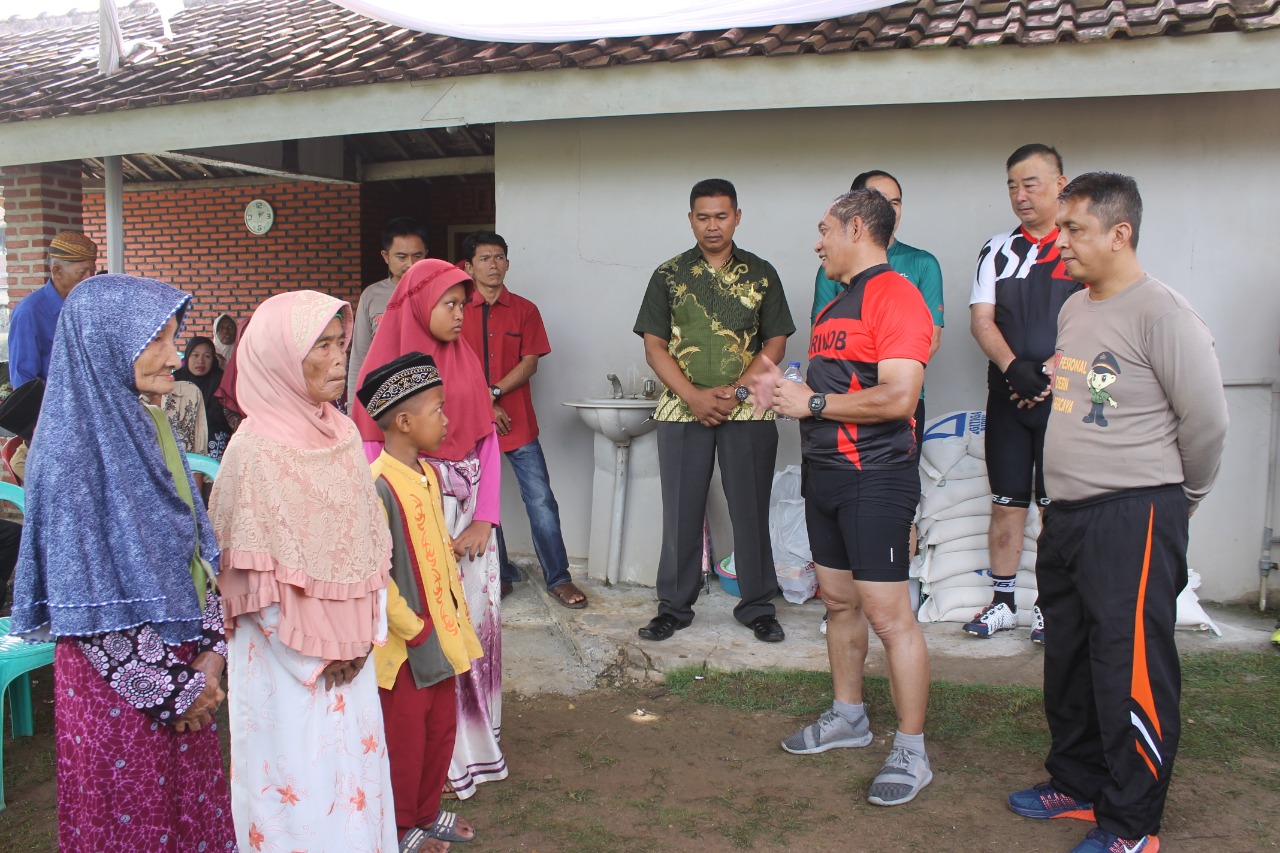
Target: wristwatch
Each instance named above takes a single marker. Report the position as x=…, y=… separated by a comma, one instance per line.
x=817, y=403
x=742, y=393
x=495, y=391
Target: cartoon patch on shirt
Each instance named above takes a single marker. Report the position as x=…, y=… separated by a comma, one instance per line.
x=1104, y=371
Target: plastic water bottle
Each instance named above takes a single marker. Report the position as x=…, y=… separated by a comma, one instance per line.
x=791, y=374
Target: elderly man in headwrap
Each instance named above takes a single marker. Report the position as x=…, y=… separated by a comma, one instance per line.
x=73, y=257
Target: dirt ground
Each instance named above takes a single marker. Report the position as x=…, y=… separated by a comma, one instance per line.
x=639, y=769
x=693, y=777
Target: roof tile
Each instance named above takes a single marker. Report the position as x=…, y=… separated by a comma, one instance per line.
x=237, y=48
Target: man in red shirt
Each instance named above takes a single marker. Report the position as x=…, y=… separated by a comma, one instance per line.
x=860, y=483
x=507, y=335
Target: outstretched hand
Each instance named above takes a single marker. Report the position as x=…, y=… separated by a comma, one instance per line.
x=762, y=381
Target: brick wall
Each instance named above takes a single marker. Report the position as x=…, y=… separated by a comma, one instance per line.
x=194, y=238
x=325, y=236
x=40, y=200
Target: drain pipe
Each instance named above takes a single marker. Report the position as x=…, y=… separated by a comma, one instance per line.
x=621, y=455
x=1266, y=564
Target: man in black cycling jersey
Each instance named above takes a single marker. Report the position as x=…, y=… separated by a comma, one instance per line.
x=1018, y=289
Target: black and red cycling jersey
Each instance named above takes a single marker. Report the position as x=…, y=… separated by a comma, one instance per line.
x=879, y=315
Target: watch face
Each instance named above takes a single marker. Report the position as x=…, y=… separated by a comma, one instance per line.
x=258, y=216
x=817, y=403
x=742, y=393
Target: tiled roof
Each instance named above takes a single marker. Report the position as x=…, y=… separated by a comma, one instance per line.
x=221, y=49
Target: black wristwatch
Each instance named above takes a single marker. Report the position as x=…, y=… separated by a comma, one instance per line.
x=817, y=403
x=742, y=393
x=495, y=391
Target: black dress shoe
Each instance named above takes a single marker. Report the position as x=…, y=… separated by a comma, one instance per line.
x=767, y=629
x=660, y=627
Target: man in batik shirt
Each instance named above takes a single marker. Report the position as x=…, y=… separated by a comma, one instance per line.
x=707, y=316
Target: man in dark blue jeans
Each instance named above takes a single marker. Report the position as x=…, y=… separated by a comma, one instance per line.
x=507, y=335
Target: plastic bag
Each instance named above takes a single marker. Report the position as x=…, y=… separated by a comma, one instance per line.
x=792, y=560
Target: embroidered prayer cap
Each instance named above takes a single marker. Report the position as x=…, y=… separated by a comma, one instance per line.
x=73, y=246
x=397, y=381
x=20, y=409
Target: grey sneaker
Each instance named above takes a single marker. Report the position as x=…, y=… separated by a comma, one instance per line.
x=831, y=731
x=904, y=774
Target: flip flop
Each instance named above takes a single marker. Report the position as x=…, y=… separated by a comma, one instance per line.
x=413, y=841
x=563, y=591
x=445, y=828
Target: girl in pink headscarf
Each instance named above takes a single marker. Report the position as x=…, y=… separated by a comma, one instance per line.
x=305, y=562
x=425, y=315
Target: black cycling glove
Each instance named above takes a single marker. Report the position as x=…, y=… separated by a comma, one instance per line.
x=1026, y=378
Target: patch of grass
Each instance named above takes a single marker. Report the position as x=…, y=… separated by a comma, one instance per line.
x=785, y=691
x=1005, y=717
x=589, y=760
x=1229, y=705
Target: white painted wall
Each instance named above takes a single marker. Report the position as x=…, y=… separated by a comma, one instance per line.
x=591, y=206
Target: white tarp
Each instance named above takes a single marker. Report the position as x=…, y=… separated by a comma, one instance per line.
x=558, y=21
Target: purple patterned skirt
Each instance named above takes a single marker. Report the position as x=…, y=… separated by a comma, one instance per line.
x=128, y=783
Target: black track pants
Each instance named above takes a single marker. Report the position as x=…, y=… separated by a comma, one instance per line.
x=1109, y=571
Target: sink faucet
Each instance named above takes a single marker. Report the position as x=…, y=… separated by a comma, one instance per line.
x=649, y=389
x=617, y=385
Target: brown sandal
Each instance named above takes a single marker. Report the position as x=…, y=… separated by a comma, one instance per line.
x=564, y=593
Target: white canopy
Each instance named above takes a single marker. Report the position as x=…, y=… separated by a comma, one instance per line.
x=574, y=20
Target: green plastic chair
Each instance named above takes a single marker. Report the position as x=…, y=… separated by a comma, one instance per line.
x=199, y=465
x=17, y=660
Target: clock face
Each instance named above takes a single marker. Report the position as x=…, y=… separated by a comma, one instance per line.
x=258, y=216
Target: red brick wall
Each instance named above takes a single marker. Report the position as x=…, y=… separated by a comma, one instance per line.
x=195, y=238
x=40, y=200
x=325, y=237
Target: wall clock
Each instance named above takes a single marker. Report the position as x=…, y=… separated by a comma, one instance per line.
x=258, y=216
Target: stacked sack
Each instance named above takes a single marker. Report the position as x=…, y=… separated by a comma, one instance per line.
x=952, y=564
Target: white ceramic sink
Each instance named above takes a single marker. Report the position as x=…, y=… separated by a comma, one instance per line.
x=619, y=419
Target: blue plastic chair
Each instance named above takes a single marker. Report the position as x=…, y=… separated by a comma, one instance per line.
x=17, y=659
x=199, y=465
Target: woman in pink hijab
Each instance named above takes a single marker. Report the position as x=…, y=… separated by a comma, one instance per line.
x=425, y=315
x=305, y=560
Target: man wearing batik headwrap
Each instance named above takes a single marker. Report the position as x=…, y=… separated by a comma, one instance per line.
x=72, y=258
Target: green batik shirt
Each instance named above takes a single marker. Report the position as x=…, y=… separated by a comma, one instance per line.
x=714, y=321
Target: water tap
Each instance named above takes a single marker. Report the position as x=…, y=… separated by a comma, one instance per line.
x=617, y=385
x=649, y=389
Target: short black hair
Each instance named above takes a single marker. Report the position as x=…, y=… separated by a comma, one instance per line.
x=860, y=182
x=1112, y=197
x=480, y=238
x=712, y=187
x=1034, y=149
x=403, y=226
x=874, y=210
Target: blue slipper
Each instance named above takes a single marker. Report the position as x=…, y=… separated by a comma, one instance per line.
x=446, y=828
x=412, y=841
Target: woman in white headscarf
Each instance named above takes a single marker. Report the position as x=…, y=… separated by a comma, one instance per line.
x=224, y=337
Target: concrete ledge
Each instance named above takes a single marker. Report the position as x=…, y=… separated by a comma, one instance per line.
x=549, y=648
